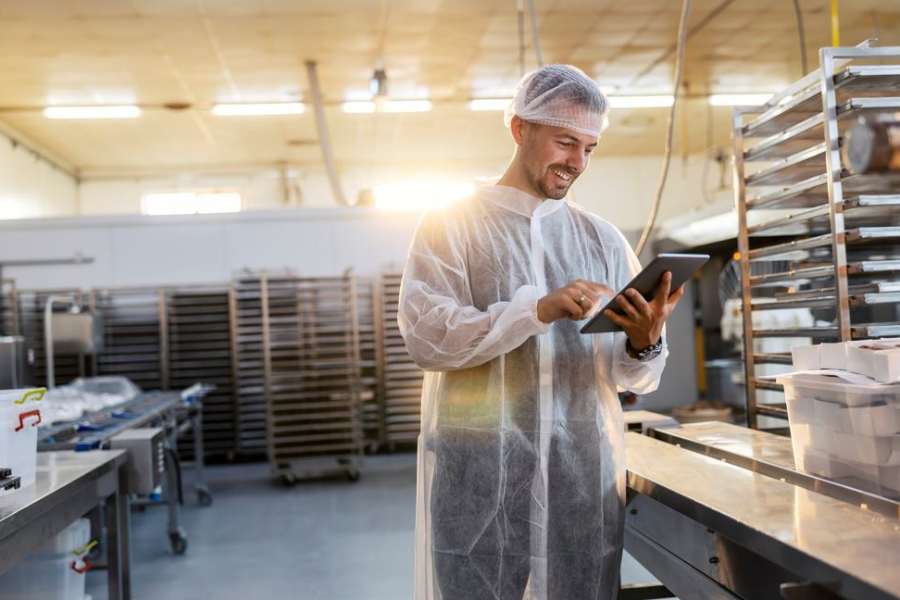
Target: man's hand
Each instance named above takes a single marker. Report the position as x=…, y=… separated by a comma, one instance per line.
x=643, y=321
x=573, y=301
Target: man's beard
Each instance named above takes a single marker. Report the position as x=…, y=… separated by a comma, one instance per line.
x=539, y=183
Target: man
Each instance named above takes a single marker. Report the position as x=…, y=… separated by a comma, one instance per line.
x=521, y=470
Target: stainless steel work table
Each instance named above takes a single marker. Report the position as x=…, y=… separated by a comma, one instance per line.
x=709, y=528
x=68, y=486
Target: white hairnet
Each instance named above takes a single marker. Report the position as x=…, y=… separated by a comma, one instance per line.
x=561, y=96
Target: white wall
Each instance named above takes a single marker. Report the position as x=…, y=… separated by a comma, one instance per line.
x=30, y=187
x=130, y=249
x=619, y=188
x=135, y=250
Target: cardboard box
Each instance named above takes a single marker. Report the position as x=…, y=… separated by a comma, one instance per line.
x=878, y=359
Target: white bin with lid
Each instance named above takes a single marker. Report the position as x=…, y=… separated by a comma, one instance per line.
x=54, y=572
x=20, y=416
x=845, y=426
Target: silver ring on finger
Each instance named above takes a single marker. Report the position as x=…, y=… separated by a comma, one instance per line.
x=581, y=300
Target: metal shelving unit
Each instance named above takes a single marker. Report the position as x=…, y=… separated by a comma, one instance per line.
x=9, y=308
x=400, y=379
x=199, y=350
x=368, y=364
x=135, y=335
x=312, y=375
x=246, y=312
x=839, y=232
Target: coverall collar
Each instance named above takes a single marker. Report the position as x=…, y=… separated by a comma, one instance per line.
x=519, y=202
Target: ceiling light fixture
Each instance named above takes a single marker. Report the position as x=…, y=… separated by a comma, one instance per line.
x=358, y=106
x=404, y=106
x=259, y=109
x=486, y=104
x=738, y=99
x=92, y=112
x=655, y=101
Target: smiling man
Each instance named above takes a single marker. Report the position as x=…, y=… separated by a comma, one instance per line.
x=521, y=470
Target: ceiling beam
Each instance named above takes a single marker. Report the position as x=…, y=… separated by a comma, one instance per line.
x=17, y=138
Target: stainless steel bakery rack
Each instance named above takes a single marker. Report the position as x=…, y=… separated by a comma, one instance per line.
x=798, y=204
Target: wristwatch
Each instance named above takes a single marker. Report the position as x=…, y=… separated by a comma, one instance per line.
x=647, y=354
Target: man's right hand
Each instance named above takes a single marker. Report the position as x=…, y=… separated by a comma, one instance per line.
x=573, y=301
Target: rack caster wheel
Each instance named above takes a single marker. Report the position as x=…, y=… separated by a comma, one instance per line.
x=178, y=542
x=289, y=479
x=353, y=475
x=204, y=498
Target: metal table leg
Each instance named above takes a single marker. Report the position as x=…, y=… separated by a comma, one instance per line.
x=204, y=498
x=177, y=535
x=118, y=539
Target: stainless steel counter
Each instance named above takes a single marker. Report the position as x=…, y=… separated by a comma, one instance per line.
x=713, y=529
x=68, y=486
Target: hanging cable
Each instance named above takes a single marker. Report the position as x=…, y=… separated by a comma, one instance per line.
x=801, y=32
x=679, y=68
x=535, y=34
x=520, y=18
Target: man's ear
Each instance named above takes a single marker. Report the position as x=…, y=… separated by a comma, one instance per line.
x=517, y=127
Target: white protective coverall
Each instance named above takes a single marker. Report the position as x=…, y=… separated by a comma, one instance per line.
x=521, y=475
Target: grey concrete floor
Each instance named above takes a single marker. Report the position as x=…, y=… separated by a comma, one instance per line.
x=325, y=540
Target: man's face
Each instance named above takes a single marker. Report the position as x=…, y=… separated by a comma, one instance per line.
x=554, y=157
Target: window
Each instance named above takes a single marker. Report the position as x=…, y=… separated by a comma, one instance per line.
x=190, y=203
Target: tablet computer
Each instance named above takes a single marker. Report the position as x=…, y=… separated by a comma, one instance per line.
x=682, y=266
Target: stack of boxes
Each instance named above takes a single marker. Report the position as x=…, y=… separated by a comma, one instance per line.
x=843, y=403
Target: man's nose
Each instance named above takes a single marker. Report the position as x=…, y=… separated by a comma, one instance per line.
x=577, y=162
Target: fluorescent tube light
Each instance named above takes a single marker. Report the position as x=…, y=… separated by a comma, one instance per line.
x=358, y=106
x=738, y=99
x=398, y=106
x=92, y=112
x=657, y=101
x=484, y=104
x=260, y=109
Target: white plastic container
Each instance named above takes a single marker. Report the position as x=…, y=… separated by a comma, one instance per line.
x=19, y=418
x=845, y=426
x=51, y=573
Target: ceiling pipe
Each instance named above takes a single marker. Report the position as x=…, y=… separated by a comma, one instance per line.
x=324, y=136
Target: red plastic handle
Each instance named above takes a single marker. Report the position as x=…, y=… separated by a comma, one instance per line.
x=25, y=415
x=86, y=566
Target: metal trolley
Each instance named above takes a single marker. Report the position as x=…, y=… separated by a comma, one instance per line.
x=399, y=378
x=837, y=232
x=303, y=333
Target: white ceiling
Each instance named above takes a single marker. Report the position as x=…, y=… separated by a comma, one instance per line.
x=152, y=52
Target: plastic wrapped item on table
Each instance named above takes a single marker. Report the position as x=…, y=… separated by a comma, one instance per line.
x=62, y=403
x=55, y=572
x=845, y=425
x=20, y=415
x=109, y=390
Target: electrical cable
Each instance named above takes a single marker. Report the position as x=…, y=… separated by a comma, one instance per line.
x=801, y=32
x=679, y=69
x=535, y=34
x=520, y=19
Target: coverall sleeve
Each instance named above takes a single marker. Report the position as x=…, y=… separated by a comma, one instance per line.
x=629, y=373
x=442, y=329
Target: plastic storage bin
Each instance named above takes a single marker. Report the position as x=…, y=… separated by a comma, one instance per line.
x=55, y=572
x=19, y=418
x=845, y=427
